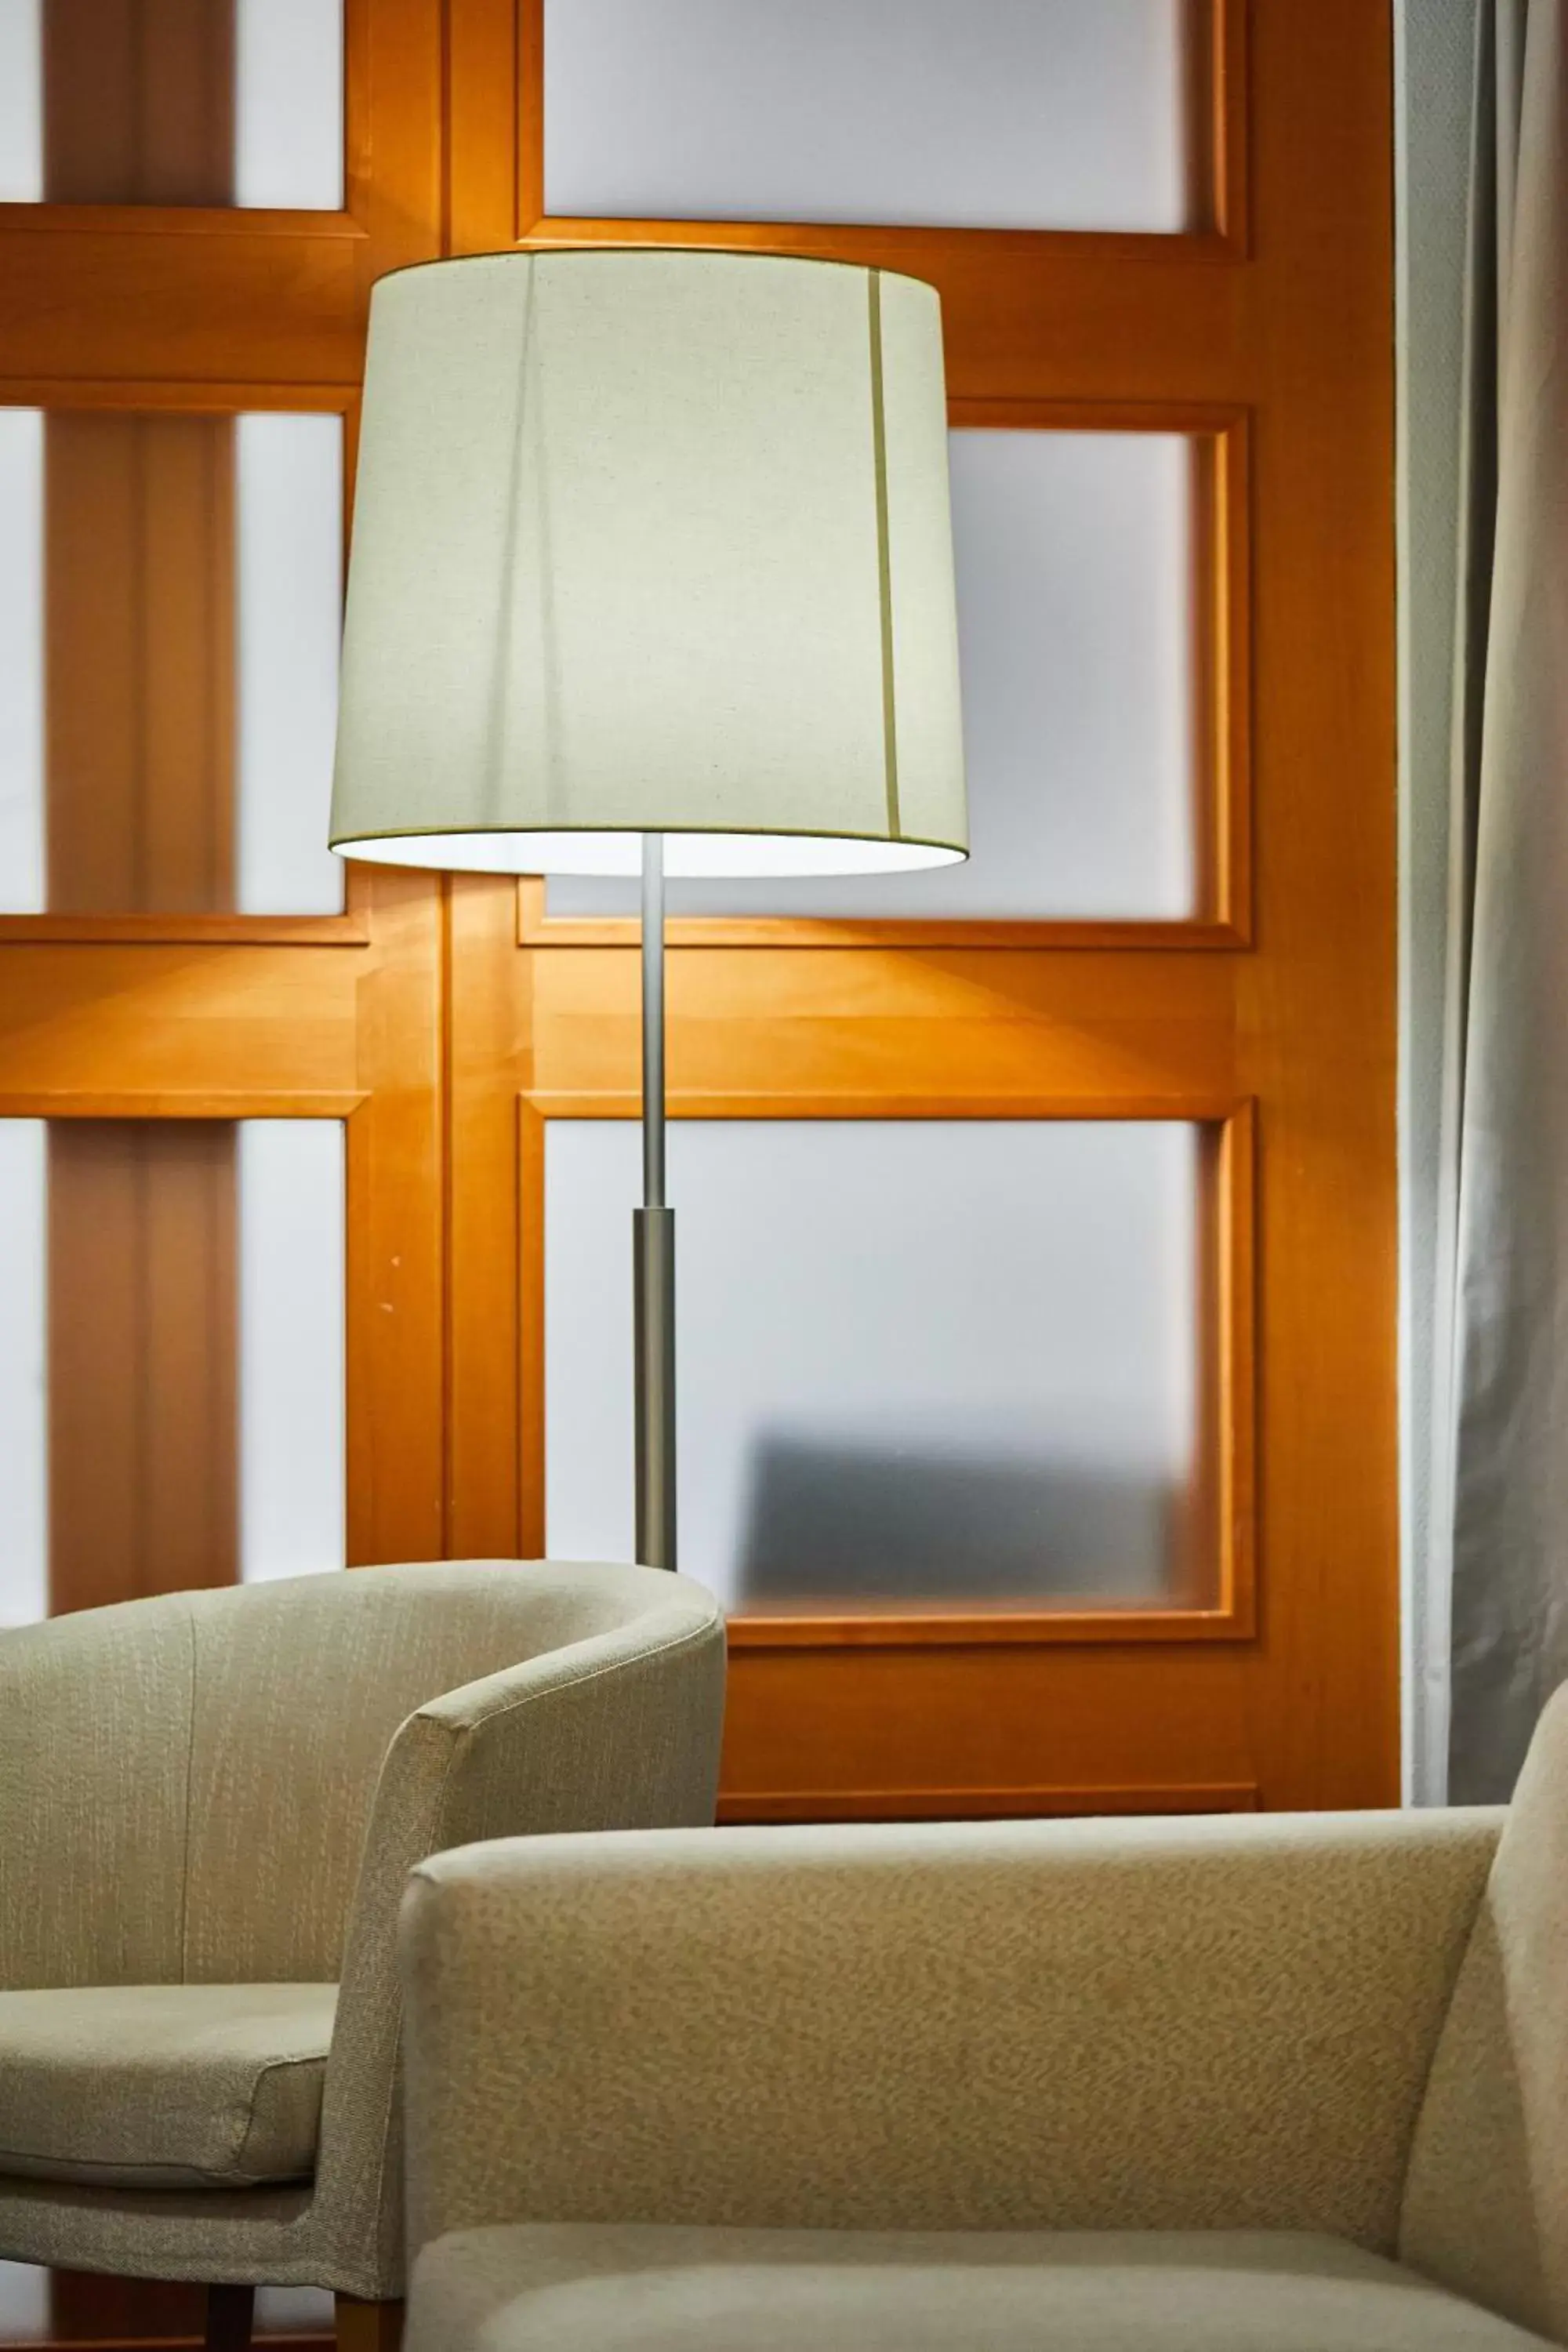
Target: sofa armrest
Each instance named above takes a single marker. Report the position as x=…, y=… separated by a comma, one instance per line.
x=1176, y=2024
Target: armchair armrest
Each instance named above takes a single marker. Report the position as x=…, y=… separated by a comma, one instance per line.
x=618, y=1728
x=1085, y=2024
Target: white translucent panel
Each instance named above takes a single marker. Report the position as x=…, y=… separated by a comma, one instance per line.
x=289, y=103
x=928, y=1360
x=291, y=1420
x=21, y=658
x=24, y=1310
x=988, y=114
x=289, y=504
x=1074, y=567
x=24, y=2303
x=293, y=2311
x=21, y=102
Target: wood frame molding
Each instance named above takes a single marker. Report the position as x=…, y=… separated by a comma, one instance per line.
x=65, y=395
x=1216, y=50
x=1228, y=1476
x=1222, y=753
x=106, y=292
x=349, y=929
x=1266, y=328
x=112, y=1028
x=778, y=1807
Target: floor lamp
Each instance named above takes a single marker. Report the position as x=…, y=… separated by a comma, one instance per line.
x=651, y=571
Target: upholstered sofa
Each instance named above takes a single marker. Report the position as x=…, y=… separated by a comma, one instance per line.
x=209, y=1803
x=1268, y=2084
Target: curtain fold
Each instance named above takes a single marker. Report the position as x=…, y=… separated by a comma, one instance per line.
x=1498, y=1559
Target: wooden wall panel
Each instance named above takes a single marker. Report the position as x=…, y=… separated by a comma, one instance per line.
x=139, y=653
x=144, y=1490
x=139, y=620
x=138, y=101
x=1268, y=333
x=85, y=2307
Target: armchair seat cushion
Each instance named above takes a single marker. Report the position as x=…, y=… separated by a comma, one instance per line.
x=163, y=2086
x=586, y=2288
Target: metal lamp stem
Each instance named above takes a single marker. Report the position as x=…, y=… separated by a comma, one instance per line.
x=653, y=1235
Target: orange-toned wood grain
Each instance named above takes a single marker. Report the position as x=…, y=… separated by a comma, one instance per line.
x=1277, y=317
x=220, y=1030
x=886, y=1804
x=102, y=293
x=143, y=1360
x=140, y=780
x=139, y=566
x=139, y=102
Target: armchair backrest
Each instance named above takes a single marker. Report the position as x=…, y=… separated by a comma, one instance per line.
x=299, y=1689
x=1486, y=2200
x=95, y=1715
x=185, y=1782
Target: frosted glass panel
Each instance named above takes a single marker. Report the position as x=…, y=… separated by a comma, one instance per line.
x=174, y=107
x=289, y=554
x=21, y=107
x=21, y=657
x=992, y=114
x=1074, y=558
x=291, y=1494
x=289, y=104
x=24, y=1457
x=24, y=2303
x=933, y=1362
x=293, y=2311
x=170, y=590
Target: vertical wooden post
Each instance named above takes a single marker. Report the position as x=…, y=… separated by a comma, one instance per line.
x=368, y=2327
x=231, y=2313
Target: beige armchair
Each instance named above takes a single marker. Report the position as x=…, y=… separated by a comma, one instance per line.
x=209, y=1804
x=1288, y=2084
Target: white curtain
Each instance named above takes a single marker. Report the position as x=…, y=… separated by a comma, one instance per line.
x=1494, y=1577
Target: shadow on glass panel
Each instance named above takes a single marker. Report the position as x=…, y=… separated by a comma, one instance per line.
x=886, y=1527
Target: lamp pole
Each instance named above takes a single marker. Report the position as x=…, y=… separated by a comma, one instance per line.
x=653, y=1252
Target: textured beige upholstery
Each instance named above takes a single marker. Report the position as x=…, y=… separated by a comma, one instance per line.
x=714, y=2091
x=222, y=1789
x=1486, y=2208
x=631, y=2290
x=1220, y=2023
x=160, y=2086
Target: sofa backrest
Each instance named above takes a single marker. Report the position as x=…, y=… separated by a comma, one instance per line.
x=1486, y=2199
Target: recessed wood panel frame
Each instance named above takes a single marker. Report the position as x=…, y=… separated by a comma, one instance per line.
x=774, y=1807
x=60, y=397
x=354, y=1111
x=1215, y=88
x=134, y=1029
x=107, y=291
x=1280, y=318
x=1227, y=1343
x=1221, y=751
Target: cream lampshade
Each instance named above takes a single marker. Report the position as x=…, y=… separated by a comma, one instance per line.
x=652, y=569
